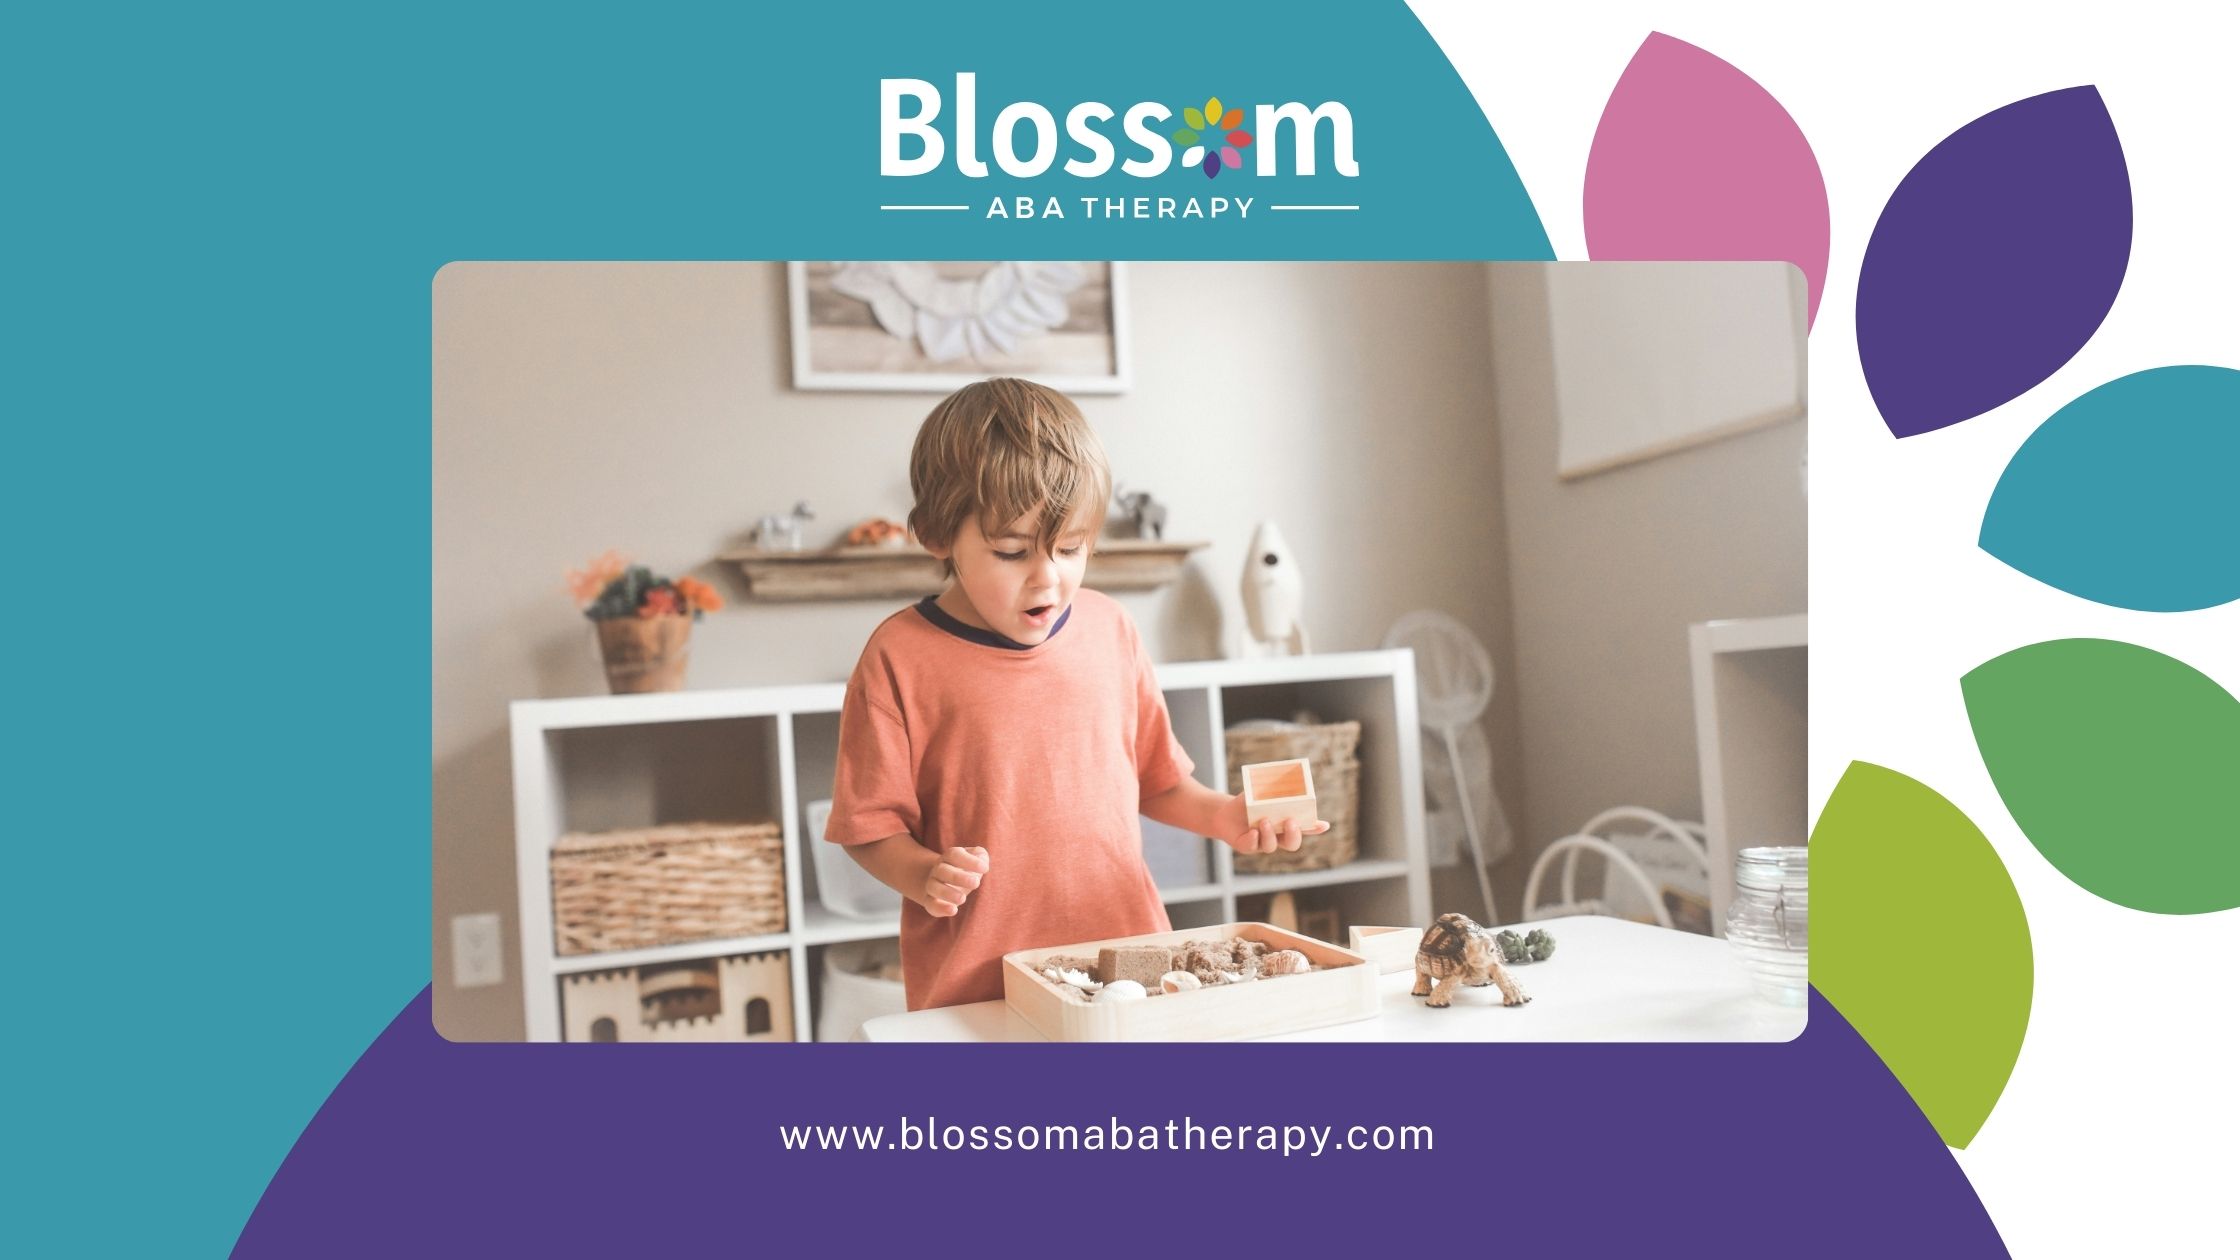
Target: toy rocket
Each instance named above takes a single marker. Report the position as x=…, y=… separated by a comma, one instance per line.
x=1272, y=597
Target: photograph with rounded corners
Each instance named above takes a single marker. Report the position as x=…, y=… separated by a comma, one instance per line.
x=1101, y=651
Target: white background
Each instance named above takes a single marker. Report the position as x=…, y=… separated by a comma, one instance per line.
x=2116, y=1133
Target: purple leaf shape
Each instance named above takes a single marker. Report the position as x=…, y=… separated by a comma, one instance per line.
x=1694, y=161
x=1213, y=165
x=1994, y=261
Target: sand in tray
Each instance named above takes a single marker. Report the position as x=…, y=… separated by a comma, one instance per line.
x=1212, y=962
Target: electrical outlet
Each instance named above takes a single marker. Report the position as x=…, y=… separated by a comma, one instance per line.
x=477, y=958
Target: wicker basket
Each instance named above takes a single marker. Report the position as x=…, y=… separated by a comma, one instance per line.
x=662, y=885
x=1330, y=750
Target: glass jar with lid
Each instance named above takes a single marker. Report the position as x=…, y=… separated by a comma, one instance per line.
x=1768, y=921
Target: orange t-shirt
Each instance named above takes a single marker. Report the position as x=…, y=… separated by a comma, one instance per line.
x=1042, y=755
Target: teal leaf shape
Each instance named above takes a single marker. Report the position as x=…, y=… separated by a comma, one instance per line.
x=2124, y=496
x=1941, y=990
x=2121, y=765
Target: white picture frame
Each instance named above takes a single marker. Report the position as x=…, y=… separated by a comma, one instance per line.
x=1088, y=355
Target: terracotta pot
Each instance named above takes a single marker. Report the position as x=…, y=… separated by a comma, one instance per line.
x=645, y=653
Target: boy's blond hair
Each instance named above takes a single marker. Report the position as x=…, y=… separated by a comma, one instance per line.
x=998, y=449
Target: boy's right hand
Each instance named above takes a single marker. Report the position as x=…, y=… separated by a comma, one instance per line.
x=953, y=877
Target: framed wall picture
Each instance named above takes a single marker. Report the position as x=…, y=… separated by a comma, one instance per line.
x=931, y=327
x=1656, y=357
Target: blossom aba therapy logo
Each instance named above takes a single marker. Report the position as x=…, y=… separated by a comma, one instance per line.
x=921, y=132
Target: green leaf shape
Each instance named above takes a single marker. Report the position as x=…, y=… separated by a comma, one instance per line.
x=1183, y=135
x=1194, y=118
x=2121, y=765
x=1918, y=937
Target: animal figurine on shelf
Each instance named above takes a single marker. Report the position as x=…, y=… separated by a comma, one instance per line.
x=783, y=533
x=1456, y=951
x=1142, y=513
x=1272, y=598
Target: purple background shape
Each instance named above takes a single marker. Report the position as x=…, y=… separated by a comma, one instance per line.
x=1994, y=261
x=1806, y=1148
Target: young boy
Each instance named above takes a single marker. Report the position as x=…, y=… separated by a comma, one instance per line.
x=999, y=739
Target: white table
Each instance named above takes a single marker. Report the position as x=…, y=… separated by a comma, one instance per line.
x=1610, y=980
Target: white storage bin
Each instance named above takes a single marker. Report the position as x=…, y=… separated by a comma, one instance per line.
x=842, y=884
x=1176, y=857
x=853, y=989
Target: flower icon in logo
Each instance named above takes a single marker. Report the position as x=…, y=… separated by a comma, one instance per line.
x=1201, y=152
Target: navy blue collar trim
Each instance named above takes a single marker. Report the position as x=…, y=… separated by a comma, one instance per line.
x=973, y=634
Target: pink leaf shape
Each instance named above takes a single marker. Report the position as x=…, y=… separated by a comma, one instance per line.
x=1694, y=161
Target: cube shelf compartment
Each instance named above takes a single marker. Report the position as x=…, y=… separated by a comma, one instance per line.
x=1750, y=678
x=640, y=760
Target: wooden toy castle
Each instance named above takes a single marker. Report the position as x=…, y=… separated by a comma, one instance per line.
x=744, y=998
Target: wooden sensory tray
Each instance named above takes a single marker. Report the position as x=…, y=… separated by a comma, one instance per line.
x=1345, y=992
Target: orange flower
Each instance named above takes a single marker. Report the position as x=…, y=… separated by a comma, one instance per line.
x=698, y=595
x=589, y=582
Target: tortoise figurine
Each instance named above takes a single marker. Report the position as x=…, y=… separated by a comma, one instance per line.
x=1456, y=951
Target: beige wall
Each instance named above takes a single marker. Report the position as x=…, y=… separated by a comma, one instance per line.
x=645, y=406
x=1607, y=571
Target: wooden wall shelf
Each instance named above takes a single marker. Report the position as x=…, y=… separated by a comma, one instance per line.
x=908, y=572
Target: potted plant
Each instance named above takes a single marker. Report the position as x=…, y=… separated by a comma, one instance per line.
x=644, y=622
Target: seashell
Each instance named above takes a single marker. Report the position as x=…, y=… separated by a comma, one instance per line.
x=1233, y=977
x=1122, y=991
x=1177, y=981
x=1079, y=980
x=1284, y=962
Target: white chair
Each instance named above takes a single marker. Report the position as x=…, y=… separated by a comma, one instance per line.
x=1687, y=840
x=1454, y=684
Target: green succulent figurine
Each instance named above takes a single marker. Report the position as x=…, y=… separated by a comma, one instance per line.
x=1515, y=949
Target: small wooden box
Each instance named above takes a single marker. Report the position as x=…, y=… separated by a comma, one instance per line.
x=1346, y=991
x=1279, y=790
x=1388, y=949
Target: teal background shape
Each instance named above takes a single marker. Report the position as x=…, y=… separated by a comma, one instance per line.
x=2126, y=495
x=226, y=222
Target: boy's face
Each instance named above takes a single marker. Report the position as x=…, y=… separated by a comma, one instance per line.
x=1004, y=584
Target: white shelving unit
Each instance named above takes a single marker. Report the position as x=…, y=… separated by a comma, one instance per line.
x=612, y=761
x=1750, y=740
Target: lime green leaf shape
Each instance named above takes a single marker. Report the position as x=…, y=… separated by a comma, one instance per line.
x=1918, y=937
x=2121, y=765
